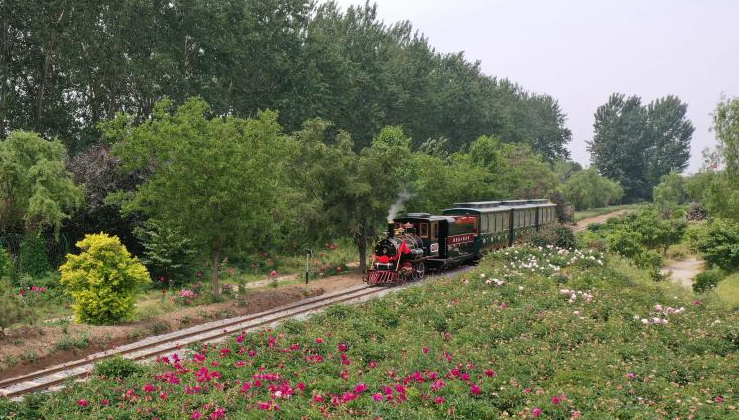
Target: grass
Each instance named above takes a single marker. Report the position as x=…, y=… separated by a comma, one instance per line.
x=727, y=292
x=585, y=214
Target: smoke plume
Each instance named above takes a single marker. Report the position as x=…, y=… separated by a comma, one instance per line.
x=402, y=198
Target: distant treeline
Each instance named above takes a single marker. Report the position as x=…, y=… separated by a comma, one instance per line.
x=67, y=65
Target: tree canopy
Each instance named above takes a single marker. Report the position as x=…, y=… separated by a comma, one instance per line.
x=65, y=66
x=587, y=189
x=36, y=191
x=636, y=145
x=214, y=179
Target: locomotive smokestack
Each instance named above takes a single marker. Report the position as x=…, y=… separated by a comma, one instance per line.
x=393, y=211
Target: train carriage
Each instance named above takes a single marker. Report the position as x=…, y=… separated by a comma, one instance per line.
x=419, y=242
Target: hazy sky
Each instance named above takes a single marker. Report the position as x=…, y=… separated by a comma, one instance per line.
x=580, y=51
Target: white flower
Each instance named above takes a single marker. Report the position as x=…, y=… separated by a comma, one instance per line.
x=482, y=275
x=636, y=316
x=644, y=321
x=658, y=307
x=520, y=288
x=664, y=321
x=576, y=313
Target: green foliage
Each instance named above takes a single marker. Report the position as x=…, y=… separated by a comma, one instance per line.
x=726, y=126
x=117, y=367
x=669, y=193
x=557, y=235
x=103, y=280
x=587, y=189
x=568, y=340
x=707, y=280
x=347, y=192
x=639, y=235
x=5, y=263
x=636, y=145
x=720, y=244
x=14, y=309
x=168, y=255
x=34, y=260
x=306, y=59
x=223, y=173
x=37, y=191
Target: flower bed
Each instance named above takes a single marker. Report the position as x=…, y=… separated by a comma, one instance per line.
x=503, y=340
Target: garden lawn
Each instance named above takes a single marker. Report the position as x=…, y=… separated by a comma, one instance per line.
x=549, y=333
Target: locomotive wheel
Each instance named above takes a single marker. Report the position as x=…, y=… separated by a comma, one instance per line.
x=419, y=272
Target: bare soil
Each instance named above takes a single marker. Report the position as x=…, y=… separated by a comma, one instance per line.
x=36, y=347
x=684, y=271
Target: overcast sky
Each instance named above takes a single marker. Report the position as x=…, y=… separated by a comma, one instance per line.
x=580, y=51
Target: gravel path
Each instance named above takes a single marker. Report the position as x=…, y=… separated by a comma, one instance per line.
x=684, y=271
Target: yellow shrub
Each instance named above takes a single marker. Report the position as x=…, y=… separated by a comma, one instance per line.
x=103, y=279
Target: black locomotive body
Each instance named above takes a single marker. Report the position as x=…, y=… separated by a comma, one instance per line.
x=420, y=242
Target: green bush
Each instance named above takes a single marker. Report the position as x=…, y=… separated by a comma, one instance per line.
x=117, y=367
x=707, y=280
x=33, y=258
x=4, y=263
x=720, y=244
x=558, y=235
x=103, y=279
x=168, y=255
x=12, y=307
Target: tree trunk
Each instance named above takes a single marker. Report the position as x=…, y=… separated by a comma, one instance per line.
x=4, y=64
x=46, y=70
x=362, y=245
x=216, y=266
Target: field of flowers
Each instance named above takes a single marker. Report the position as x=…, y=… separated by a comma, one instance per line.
x=531, y=333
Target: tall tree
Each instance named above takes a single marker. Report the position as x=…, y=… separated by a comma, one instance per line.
x=636, y=145
x=726, y=126
x=668, y=135
x=36, y=191
x=618, y=146
x=214, y=180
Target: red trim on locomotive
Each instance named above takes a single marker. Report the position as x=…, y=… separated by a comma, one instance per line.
x=460, y=239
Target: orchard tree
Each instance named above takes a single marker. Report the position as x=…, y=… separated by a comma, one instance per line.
x=214, y=179
x=36, y=191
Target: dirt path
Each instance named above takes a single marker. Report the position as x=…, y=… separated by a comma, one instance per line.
x=582, y=224
x=684, y=271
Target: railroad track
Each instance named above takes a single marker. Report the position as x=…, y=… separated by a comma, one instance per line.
x=150, y=348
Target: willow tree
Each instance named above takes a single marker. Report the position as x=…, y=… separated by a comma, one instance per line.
x=214, y=179
x=36, y=191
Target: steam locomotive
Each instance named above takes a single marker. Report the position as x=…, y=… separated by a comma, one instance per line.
x=421, y=242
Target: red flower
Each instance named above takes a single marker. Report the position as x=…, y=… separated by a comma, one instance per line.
x=148, y=388
x=490, y=373
x=439, y=400
x=555, y=400
x=83, y=402
x=341, y=347
x=474, y=389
